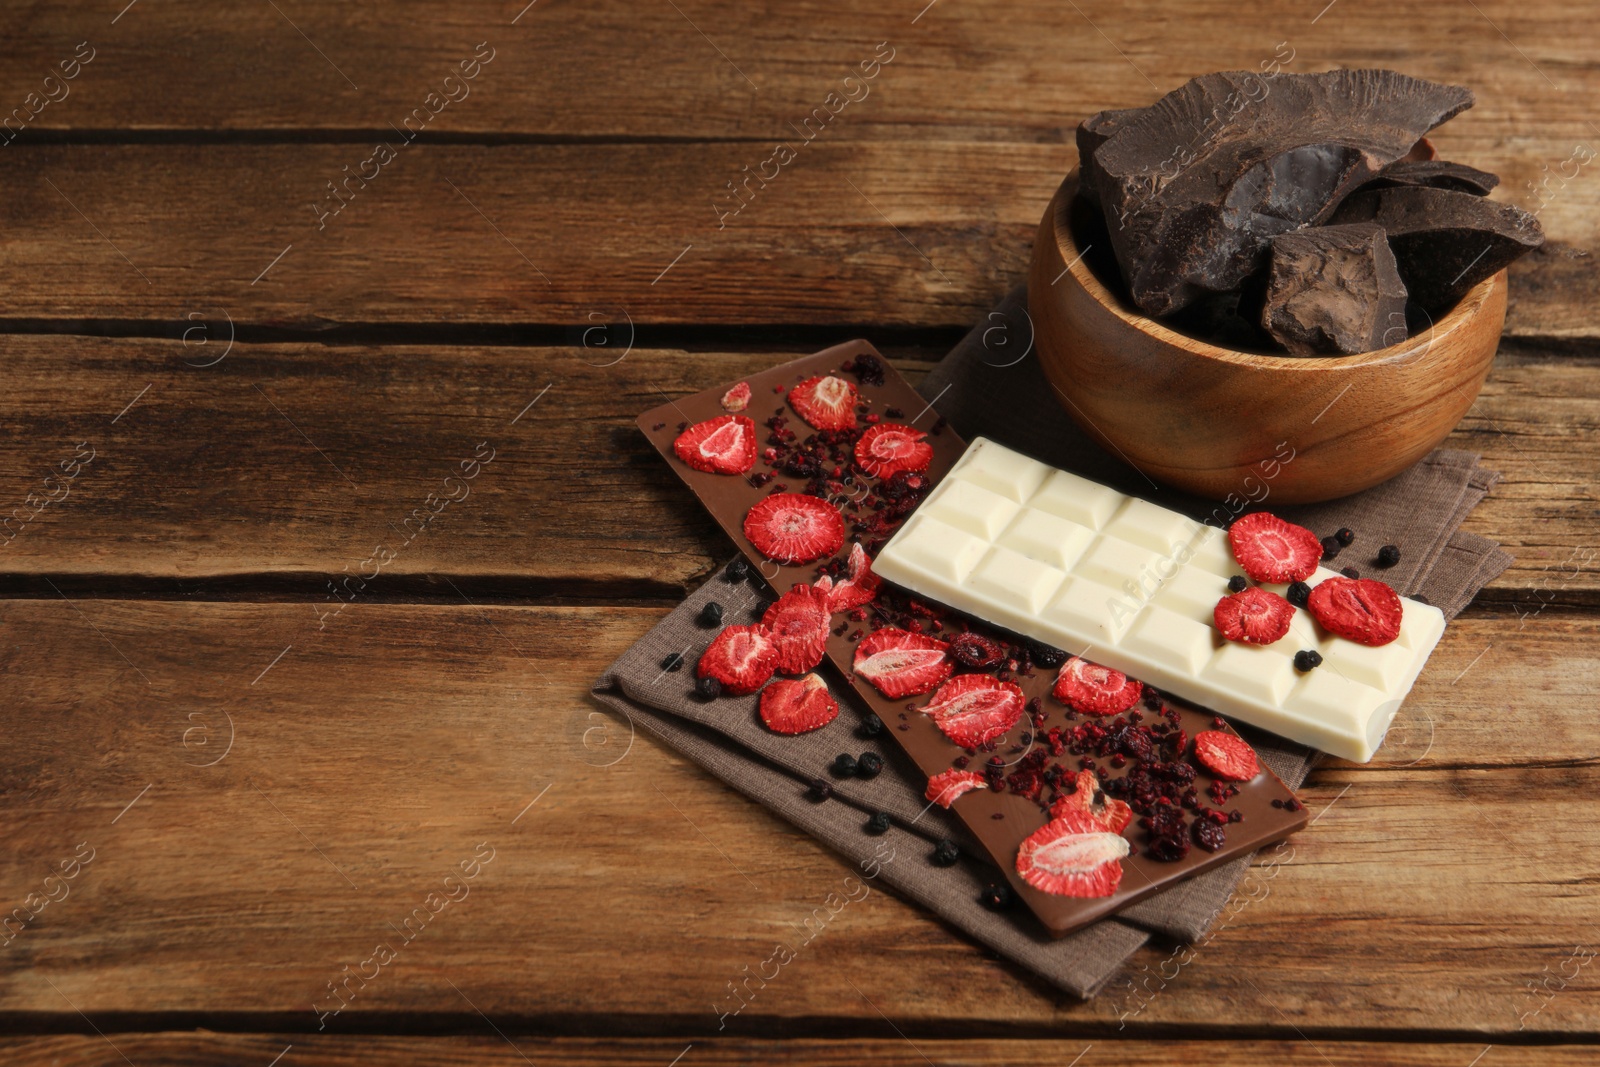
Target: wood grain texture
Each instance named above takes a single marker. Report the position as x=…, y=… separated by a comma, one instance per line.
x=372, y=757
x=895, y=234
x=192, y=1050
x=283, y=467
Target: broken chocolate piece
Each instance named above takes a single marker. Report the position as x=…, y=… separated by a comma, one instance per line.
x=1444, y=242
x=1334, y=290
x=1196, y=186
x=1439, y=173
x=1093, y=132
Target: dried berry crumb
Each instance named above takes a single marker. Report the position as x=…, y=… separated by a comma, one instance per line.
x=819, y=791
x=1350, y=572
x=1388, y=555
x=673, y=661
x=869, y=765
x=1237, y=583
x=844, y=765
x=879, y=823
x=946, y=853
x=1210, y=835
x=1344, y=536
x=737, y=571
x=1297, y=594
x=1330, y=548
x=997, y=897
x=707, y=688
x=871, y=725
x=710, y=615
x=1307, y=659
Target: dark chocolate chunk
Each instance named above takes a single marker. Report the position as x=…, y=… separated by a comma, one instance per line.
x=1093, y=132
x=1334, y=290
x=1444, y=242
x=1196, y=186
x=1438, y=173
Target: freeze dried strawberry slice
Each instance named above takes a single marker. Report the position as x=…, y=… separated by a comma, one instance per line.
x=827, y=403
x=741, y=658
x=1226, y=755
x=1090, y=800
x=889, y=448
x=723, y=445
x=796, y=705
x=974, y=709
x=859, y=588
x=1255, y=616
x=1271, y=550
x=1364, y=610
x=1095, y=690
x=1073, y=855
x=900, y=663
x=798, y=626
x=943, y=789
x=794, y=528
x=737, y=398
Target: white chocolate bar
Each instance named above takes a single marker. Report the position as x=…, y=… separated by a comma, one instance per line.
x=1126, y=583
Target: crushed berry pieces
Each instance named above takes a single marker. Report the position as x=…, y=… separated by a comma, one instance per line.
x=867, y=368
x=1210, y=835
x=997, y=897
x=844, y=765
x=1344, y=536
x=1330, y=548
x=976, y=652
x=946, y=853
x=1297, y=593
x=869, y=765
x=674, y=661
x=820, y=790
x=707, y=688
x=871, y=725
x=1169, y=848
x=710, y=615
x=1237, y=583
x=1349, y=572
x=1388, y=555
x=1307, y=659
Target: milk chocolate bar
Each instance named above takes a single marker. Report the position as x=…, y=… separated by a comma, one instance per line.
x=1036, y=761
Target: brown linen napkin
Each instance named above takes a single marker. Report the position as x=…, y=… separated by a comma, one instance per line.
x=983, y=387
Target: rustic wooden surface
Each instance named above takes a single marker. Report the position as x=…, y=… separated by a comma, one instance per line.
x=267, y=400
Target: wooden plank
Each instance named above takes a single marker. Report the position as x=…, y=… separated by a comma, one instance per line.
x=281, y=466
x=715, y=68
x=514, y=1051
x=371, y=758
x=898, y=234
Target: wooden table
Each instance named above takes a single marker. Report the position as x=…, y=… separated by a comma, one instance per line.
x=292, y=648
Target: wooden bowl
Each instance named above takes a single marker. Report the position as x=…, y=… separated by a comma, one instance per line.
x=1218, y=422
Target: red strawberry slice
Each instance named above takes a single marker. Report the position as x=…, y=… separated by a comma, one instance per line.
x=1364, y=610
x=974, y=709
x=1073, y=855
x=798, y=626
x=1095, y=690
x=827, y=403
x=889, y=448
x=723, y=445
x=900, y=663
x=796, y=705
x=860, y=587
x=1271, y=550
x=1226, y=755
x=1110, y=812
x=737, y=398
x=1254, y=616
x=943, y=789
x=794, y=528
x=741, y=658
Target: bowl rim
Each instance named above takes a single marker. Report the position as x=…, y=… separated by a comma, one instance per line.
x=1412, y=348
